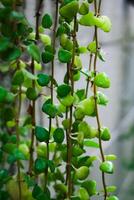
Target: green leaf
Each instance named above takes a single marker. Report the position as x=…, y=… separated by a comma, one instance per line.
x=29, y=180
x=3, y=94
x=18, y=78
x=49, y=109
x=82, y=173
x=51, y=165
x=101, y=55
x=42, y=134
x=38, y=193
x=91, y=143
x=81, y=94
x=14, y=15
x=9, y=147
x=3, y=174
x=111, y=188
x=60, y=188
x=102, y=99
x=102, y=80
x=47, y=57
x=34, y=52
x=84, y=8
x=12, y=54
x=28, y=74
x=90, y=186
x=105, y=134
x=40, y=165
x=67, y=101
x=31, y=94
x=113, y=198
x=107, y=167
x=46, y=40
x=87, y=20
x=69, y=10
x=16, y=155
x=88, y=106
x=103, y=22
x=9, y=97
x=63, y=90
x=110, y=157
x=64, y=56
x=92, y=47
x=43, y=79
x=83, y=194
x=4, y=44
x=58, y=135
x=47, y=21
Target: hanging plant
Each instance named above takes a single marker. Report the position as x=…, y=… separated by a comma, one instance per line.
x=52, y=160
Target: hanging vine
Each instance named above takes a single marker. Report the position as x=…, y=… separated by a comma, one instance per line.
x=53, y=159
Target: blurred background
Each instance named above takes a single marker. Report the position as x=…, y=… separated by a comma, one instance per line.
x=119, y=114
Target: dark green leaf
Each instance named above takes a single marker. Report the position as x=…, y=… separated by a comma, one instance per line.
x=11, y=54
x=31, y=94
x=64, y=56
x=47, y=57
x=3, y=93
x=63, y=90
x=49, y=109
x=42, y=134
x=40, y=165
x=4, y=44
x=47, y=21
x=43, y=79
x=58, y=135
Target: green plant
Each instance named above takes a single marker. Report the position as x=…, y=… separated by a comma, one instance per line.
x=54, y=155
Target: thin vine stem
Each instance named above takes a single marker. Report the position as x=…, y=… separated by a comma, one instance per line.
x=89, y=69
x=33, y=107
x=18, y=119
x=69, y=140
x=96, y=105
x=52, y=85
x=18, y=141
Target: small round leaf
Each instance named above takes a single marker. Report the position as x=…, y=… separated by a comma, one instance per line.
x=42, y=134
x=43, y=79
x=58, y=135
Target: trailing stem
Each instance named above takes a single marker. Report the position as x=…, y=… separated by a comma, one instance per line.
x=88, y=80
x=18, y=139
x=33, y=109
x=52, y=75
x=69, y=141
x=96, y=105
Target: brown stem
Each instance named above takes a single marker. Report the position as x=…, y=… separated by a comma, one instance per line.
x=38, y=14
x=88, y=81
x=18, y=138
x=33, y=125
x=96, y=105
x=51, y=88
x=33, y=85
x=69, y=141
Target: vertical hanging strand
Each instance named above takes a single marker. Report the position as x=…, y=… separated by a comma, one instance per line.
x=95, y=97
x=69, y=142
x=52, y=75
x=19, y=102
x=33, y=109
x=18, y=138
